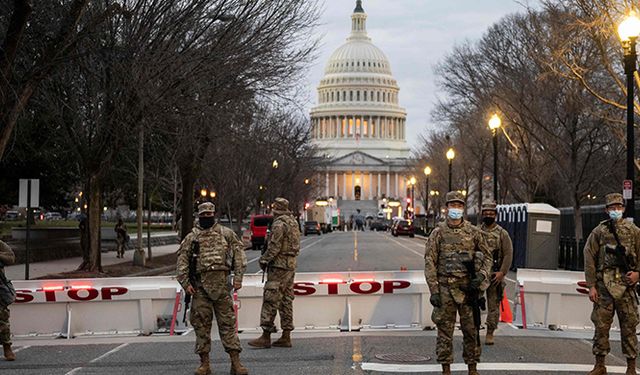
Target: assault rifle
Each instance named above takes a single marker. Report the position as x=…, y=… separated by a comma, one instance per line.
x=620, y=254
x=193, y=278
x=497, y=264
x=475, y=298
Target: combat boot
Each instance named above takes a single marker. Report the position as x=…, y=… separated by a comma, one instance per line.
x=473, y=369
x=489, y=339
x=205, y=366
x=9, y=355
x=446, y=369
x=631, y=366
x=263, y=341
x=599, y=368
x=236, y=366
x=284, y=341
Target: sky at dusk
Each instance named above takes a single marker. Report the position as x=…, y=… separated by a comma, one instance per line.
x=415, y=35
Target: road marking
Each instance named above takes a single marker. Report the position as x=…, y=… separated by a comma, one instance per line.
x=304, y=248
x=21, y=348
x=413, y=251
x=542, y=367
x=105, y=355
x=355, y=246
x=357, y=355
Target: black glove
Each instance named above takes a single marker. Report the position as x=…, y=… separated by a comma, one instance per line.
x=435, y=300
x=475, y=282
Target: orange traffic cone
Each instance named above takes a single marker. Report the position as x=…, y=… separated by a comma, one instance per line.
x=505, y=310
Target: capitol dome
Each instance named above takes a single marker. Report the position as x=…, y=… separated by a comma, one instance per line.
x=358, y=125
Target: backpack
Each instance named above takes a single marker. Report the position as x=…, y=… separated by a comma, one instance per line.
x=7, y=291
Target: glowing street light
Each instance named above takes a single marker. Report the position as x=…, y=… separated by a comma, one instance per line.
x=494, y=125
x=450, y=156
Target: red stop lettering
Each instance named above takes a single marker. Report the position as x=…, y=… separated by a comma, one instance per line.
x=107, y=293
x=374, y=286
x=303, y=289
x=332, y=286
x=390, y=285
x=24, y=296
x=92, y=294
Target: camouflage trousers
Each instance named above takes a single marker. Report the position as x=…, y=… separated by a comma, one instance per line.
x=120, y=245
x=278, y=298
x=493, y=306
x=453, y=303
x=213, y=297
x=5, y=332
x=602, y=317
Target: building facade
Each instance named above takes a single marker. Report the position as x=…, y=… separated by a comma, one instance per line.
x=359, y=125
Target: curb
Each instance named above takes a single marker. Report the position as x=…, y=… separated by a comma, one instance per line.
x=152, y=272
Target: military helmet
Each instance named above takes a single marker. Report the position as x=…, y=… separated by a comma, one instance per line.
x=489, y=206
x=206, y=207
x=613, y=198
x=280, y=204
x=455, y=196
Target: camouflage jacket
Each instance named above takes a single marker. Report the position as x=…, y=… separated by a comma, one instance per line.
x=500, y=244
x=595, y=256
x=220, y=250
x=448, y=247
x=7, y=257
x=284, y=243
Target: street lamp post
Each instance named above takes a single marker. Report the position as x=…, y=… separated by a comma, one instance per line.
x=450, y=155
x=628, y=31
x=427, y=172
x=494, y=125
x=412, y=181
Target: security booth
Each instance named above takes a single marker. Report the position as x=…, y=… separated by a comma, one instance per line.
x=535, y=231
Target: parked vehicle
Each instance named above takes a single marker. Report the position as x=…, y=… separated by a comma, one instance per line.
x=379, y=225
x=312, y=227
x=403, y=227
x=259, y=226
x=11, y=215
x=53, y=216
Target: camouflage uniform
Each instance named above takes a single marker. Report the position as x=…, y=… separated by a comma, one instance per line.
x=614, y=295
x=446, y=249
x=7, y=258
x=220, y=253
x=121, y=238
x=280, y=261
x=502, y=254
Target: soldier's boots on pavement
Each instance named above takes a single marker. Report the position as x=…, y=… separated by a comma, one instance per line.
x=236, y=366
x=599, y=368
x=489, y=339
x=205, y=366
x=9, y=355
x=284, y=341
x=263, y=341
x=631, y=366
x=446, y=369
x=473, y=369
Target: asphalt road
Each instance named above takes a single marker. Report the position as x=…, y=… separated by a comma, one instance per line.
x=354, y=251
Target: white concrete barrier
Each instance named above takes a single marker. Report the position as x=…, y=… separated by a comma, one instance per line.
x=552, y=300
x=345, y=301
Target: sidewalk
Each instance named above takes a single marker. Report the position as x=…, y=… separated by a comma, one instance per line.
x=40, y=269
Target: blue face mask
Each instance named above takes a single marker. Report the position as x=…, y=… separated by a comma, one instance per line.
x=615, y=215
x=455, y=213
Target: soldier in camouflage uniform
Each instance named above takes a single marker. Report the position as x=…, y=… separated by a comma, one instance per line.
x=502, y=253
x=7, y=258
x=450, y=244
x=611, y=288
x=279, y=261
x=220, y=253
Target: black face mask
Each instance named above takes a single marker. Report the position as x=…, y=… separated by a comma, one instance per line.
x=488, y=220
x=207, y=222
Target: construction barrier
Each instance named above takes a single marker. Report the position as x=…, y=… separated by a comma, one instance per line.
x=551, y=299
x=144, y=305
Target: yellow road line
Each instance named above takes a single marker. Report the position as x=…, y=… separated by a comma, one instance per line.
x=357, y=355
x=355, y=246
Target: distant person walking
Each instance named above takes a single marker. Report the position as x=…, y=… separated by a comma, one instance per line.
x=121, y=238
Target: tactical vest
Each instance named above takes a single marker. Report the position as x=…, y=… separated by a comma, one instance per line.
x=213, y=249
x=291, y=241
x=493, y=240
x=606, y=238
x=457, y=245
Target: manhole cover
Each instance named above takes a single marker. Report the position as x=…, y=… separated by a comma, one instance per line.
x=402, y=357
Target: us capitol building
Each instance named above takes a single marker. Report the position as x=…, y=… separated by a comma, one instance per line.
x=359, y=125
